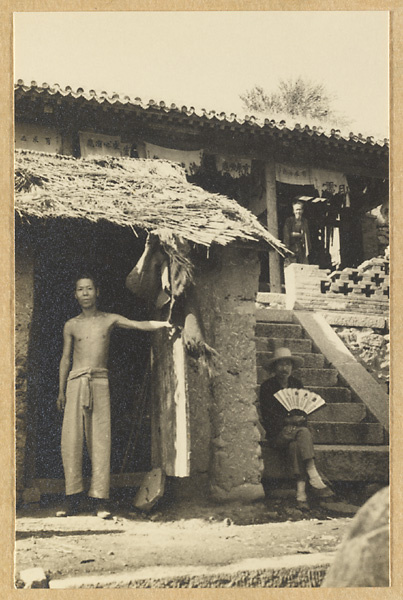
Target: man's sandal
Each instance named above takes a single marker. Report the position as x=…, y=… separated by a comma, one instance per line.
x=101, y=509
x=325, y=492
x=71, y=506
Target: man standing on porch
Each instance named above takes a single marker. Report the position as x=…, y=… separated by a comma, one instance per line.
x=296, y=235
x=84, y=395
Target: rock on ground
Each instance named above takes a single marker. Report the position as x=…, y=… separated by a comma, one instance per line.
x=363, y=558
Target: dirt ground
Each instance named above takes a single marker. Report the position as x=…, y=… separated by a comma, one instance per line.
x=181, y=533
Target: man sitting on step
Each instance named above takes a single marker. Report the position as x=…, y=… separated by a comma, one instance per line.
x=288, y=431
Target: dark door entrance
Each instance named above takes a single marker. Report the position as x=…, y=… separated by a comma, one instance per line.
x=109, y=253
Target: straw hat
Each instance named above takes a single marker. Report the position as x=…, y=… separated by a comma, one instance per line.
x=281, y=354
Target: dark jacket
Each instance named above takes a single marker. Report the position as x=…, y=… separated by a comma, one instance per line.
x=272, y=412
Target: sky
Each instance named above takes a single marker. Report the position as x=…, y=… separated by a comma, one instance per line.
x=207, y=59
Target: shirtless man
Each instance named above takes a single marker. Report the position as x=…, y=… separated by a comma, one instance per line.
x=84, y=395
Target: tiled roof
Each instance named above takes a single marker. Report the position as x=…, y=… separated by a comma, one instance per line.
x=212, y=116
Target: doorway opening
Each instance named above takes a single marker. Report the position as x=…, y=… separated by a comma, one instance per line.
x=69, y=248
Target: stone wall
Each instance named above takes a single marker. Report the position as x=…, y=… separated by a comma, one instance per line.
x=364, y=289
x=24, y=289
x=226, y=293
x=370, y=346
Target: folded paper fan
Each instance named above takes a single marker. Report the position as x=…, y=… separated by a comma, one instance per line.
x=305, y=400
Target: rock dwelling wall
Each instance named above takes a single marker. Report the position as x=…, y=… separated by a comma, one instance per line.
x=24, y=304
x=223, y=416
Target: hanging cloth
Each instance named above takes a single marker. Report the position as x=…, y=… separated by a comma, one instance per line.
x=233, y=165
x=98, y=144
x=190, y=160
x=321, y=179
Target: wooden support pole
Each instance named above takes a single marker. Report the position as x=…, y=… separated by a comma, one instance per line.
x=272, y=225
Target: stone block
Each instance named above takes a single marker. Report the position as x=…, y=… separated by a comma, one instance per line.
x=318, y=377
x=353, y=463
x=309, y=377
x=271, y=298
x=347, y=433
x=278, y=330
x=294, y=344
x=347, y=412
x=332, y=394
x=350, y=319
x=274, y=315
x=363, y=558
x=336, y=304
x=338, y=463
x=314, y=361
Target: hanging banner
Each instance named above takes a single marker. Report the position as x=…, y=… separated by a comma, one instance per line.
x=323, y=180
x=29, y=136
x=329, y=181
x=293, y=175
x=190, y=160
x=233, y=165
x=99, y=144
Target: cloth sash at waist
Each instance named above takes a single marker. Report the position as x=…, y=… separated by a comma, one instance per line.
x=86, y=376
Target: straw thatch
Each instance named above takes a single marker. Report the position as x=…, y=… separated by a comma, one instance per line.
x=148, y=195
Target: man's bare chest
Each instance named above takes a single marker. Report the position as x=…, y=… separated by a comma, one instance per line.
x=93, y=330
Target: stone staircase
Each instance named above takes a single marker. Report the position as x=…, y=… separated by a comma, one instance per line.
x=349, y=444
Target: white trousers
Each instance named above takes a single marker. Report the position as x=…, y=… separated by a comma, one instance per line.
x=96, y=423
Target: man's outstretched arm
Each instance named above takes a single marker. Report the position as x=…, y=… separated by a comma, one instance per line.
x=124, y=323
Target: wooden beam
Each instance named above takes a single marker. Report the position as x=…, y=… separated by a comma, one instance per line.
x=272, y=224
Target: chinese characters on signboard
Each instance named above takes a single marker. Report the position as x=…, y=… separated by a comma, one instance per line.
x=98, y=144
x=29, y=136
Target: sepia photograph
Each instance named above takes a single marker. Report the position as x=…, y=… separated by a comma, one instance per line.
x=202, y=340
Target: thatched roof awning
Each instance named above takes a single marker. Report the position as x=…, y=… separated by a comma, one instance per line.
x=149, y=195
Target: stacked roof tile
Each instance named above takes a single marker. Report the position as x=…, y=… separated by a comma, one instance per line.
x=212, y=116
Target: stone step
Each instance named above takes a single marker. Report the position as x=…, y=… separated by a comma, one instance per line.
x=320, y=377
x=371, y=434
x=347, y=412
x=271, y=299
x=332, y=394
x=309, y=377
x=264, y=344
x=311, y=361
x=336, y=462
x=274, y=315
x=278, y=330
x=354, y=463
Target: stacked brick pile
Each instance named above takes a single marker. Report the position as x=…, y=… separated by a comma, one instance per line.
x=364, y=289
